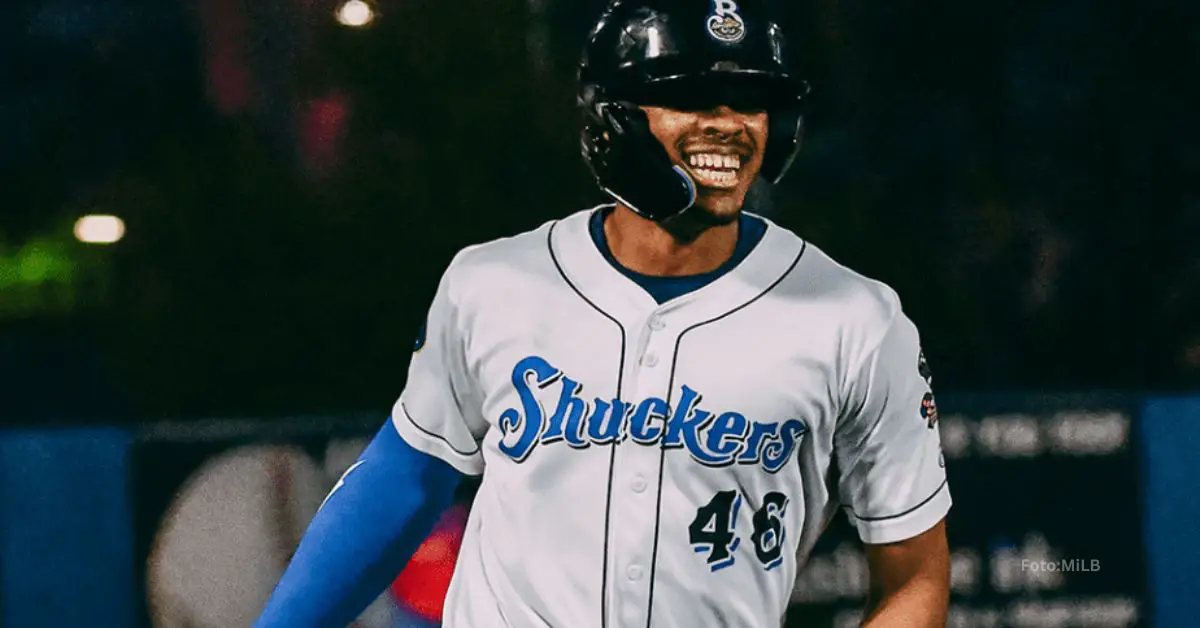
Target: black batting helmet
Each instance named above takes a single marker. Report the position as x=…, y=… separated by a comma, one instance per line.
x=688, y=55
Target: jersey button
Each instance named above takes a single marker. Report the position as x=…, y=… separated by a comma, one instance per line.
x=650, y=360
x=638, y=484
x=657, y=323
x=635, y=572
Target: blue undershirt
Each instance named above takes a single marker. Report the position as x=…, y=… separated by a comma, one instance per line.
x=363, y=536
x=750, y=232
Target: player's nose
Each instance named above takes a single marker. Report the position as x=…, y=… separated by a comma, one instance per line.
x=721, y=120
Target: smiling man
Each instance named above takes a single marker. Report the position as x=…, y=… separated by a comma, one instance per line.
x=669, y=396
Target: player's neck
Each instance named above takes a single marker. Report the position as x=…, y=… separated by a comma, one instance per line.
x=645, y=247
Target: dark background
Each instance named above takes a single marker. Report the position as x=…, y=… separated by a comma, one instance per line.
x=1023, y=173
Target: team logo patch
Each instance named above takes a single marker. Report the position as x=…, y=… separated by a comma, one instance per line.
x=923, y=369
x=725, y=24
x=929, y=410
x=420, y=341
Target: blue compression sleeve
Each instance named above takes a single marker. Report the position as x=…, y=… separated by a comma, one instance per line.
x=363, y=536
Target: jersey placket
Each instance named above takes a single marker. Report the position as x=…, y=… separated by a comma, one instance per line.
x=635, y=484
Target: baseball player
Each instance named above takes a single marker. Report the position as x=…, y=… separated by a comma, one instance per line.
x=669, y=397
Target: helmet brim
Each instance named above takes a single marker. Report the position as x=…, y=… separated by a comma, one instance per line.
x=741, y=90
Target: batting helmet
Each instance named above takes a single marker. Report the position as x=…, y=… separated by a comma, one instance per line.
x=682, y=54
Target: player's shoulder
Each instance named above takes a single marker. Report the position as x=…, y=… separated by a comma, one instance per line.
x=500, y=263
x=819, y=279
x=503, y=252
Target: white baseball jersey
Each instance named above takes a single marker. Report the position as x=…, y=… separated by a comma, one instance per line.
x=665, y=466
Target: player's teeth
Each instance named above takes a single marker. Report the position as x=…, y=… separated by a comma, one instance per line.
x=724, y=177
x=715, y=162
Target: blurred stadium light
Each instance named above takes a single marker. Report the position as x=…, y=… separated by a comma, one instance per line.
x=99, y=229
x=355, y=14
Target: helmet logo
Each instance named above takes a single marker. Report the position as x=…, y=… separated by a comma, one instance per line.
x=725, y=24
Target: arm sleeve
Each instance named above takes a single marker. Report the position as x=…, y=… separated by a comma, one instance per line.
x=440, y=410
x=372, y=522
x=892, y=477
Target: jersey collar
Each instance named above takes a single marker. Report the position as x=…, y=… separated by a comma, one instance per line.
x=584, y=267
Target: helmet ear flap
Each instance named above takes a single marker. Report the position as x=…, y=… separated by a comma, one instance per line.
x=628, y=161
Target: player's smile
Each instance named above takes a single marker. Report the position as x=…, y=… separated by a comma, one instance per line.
x=718, y=167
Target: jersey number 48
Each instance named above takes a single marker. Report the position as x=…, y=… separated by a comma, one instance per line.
x=713, y=530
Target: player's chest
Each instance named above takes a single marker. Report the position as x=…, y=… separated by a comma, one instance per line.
x=743, y=390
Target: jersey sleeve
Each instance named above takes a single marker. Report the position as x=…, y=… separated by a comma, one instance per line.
x=892, y=478
x=440, y=410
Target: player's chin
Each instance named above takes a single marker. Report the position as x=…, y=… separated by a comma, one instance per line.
x=719, y=207
x=701, y=217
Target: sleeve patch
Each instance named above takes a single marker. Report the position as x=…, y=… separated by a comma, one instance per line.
x=929, y=410
x=420, y=341
x=923, y=369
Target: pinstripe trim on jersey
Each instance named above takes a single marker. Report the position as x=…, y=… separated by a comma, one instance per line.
x=436, y=436
x=670, y=387
x=612, y=451
x=935, y=493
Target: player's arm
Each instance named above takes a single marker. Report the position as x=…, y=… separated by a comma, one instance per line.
x=909, y=581
x=893, y=481
x=373, y=521
x=384, y=507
